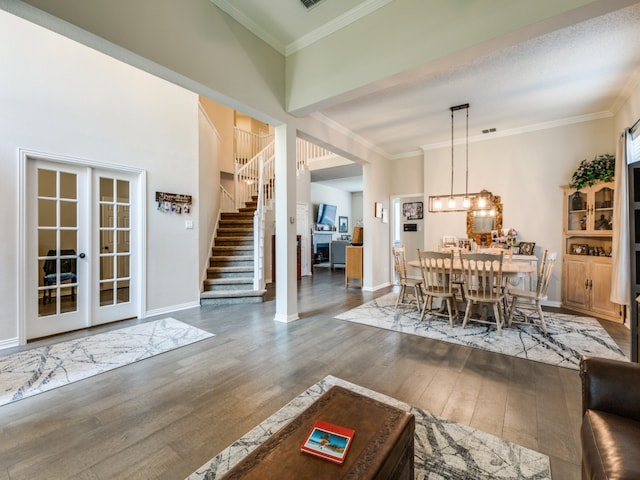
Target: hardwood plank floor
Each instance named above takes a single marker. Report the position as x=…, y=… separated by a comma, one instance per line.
x=165, y=416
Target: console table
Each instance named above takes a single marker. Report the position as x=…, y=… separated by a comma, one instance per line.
x=381, y=449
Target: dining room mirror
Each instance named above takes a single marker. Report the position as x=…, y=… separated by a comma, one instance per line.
x=480, y=222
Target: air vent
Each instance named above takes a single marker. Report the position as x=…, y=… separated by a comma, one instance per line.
x=310, y=3
x=488, y=130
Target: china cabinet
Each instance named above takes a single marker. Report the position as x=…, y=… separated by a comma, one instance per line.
x=587, y=238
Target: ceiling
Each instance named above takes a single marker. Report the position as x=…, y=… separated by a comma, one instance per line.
x=581, y=72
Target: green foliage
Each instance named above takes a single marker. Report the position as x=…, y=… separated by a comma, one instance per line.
x=589, y=172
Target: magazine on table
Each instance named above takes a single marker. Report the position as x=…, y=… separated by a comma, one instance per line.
x=328, y=441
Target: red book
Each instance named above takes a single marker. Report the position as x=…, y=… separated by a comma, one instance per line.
x=328, y=441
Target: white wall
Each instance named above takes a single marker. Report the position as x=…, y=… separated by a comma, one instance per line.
x=527, y=171
x=63, y=98
x=209, y=186
x=630, y=111
x=357, y=211
x=377, y=247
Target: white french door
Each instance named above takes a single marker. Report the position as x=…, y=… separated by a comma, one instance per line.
x=115, y=283
x=81, y=247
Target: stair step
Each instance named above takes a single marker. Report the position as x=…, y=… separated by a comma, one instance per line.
x=228, y=297
x=234, y=241
x=232, y=250
x=246, y=222
x=231, y=261
x=236, y=223
x=235, y=232
x=230, y=272
x=228, y=284
x=231, y=215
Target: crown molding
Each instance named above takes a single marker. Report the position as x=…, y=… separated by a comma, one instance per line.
x=336, y=24
x=520, y=130
x=249, y=24
x=327, y=29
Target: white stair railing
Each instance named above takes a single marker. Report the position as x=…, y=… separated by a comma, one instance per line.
x=227, y=204
x=255, y=177
x=306, y=151
x=258, y=232
x=246, y=179
x=249, y=144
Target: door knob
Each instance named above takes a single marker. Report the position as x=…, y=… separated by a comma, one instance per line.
x=82, y=255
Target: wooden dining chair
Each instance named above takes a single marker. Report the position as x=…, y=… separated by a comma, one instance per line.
x=526, y=301
x=483, y=285
x=437, y=276
x=400, y=261
x=458, y=276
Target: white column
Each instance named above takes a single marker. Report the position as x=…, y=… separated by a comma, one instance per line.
x=286, y=281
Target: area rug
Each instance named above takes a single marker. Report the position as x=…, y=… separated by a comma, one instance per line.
x=38, y=370
x=568, y=336
x=443, y=449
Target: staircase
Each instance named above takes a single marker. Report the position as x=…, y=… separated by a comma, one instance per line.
x=230, y=276
x=236, y=266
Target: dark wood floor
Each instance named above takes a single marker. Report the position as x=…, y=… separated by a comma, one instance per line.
x=165, y=416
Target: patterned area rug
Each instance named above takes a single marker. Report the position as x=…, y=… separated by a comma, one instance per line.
x=443, y=449
x=568, y=336
x=38, y=370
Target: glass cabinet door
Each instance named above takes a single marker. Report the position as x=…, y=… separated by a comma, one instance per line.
x=577, y=211
x=603, y=209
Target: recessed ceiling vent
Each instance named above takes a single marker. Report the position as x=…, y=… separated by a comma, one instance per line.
x=310, y=3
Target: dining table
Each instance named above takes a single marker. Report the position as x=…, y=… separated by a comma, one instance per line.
x=509, y=269
x=512, y=273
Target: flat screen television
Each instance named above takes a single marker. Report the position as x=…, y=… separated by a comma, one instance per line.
x=326, y=214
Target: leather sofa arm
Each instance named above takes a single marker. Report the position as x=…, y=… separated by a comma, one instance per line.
x=611, y=386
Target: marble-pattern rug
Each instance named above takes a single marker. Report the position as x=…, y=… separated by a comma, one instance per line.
x=442, y=449
x=40, y=369
x=568, y=336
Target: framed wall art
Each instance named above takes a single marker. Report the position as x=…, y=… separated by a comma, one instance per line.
x=343, y=224
x=412, y=210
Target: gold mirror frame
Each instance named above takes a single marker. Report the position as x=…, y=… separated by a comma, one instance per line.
x=483, y=239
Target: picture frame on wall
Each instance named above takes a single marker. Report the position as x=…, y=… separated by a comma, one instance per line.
x=412, y=210
x=378, y=209
x=343, y=224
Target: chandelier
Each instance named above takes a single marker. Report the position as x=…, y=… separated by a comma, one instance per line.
x=481, y=202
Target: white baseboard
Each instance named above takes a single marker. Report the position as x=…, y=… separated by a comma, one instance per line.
x=285, y=318
x=8, y=343
x=376, y=287
x=172, y=308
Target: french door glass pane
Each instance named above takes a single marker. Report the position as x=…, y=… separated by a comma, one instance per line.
x=123, y=241
x=106, y=294
x=47, y=213
x=123, y=191
x=47, y=185
x=123, y=291
x=68, y=186
x=106, y=189
x=68, y=214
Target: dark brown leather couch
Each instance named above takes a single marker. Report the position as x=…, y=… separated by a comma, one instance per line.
x=610, y=432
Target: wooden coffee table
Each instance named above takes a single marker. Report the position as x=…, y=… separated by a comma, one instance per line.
x=382, y=446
